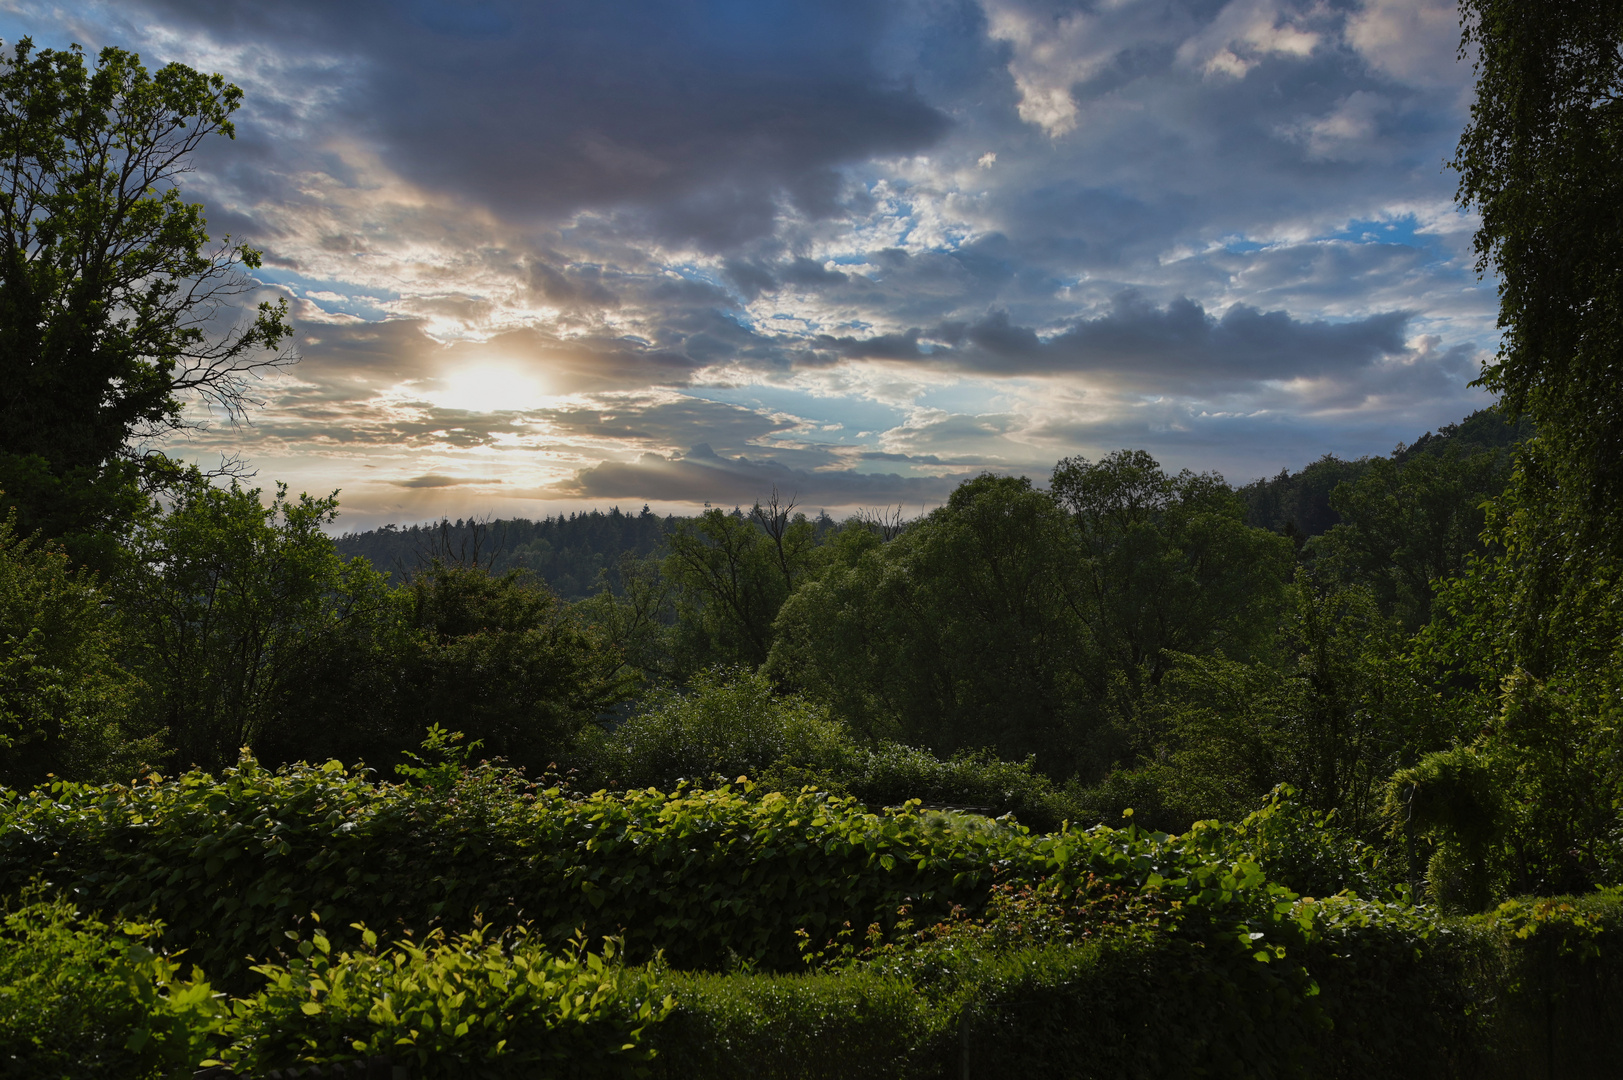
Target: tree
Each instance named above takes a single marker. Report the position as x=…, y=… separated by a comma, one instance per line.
x=958, y=634
x=65, y=701
x=504, y=661
x=1523, y=662
x=1170, y=565
x=230, y=600
x=1406, y=525
x=494, y=656
x=1542, y=162
x=732, y=573
x=112, y=299
x=1522, y=656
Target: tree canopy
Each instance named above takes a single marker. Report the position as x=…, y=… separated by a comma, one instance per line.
x=1542, y=162
x=114, y=305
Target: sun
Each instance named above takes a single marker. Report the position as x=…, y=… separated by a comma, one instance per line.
x=489, y=387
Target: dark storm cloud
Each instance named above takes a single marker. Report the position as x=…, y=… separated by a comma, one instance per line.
x=703, y=114
x=702, y=475
x=1136, y=344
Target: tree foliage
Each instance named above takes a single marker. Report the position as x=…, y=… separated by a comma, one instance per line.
x=1171, y=566
x=66, y=701
x=959, y=633
x=1542, y=162
x=229, y=598
x=113, y=303
x=731, y=573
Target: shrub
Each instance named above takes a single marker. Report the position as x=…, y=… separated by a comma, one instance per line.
x=731, y=723
x=708, y=876
x=891, y=774
x=80, y=998
x=845, y=1025
x=927, y=940
x=468, y=1005
x=1305, y=850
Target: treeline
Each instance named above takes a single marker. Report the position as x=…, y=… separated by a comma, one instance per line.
x=1121, y=638
x=571, y=555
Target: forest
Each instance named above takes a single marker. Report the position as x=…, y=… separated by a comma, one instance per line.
x=1114, y=771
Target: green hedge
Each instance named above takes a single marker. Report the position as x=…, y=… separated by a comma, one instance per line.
x=845, y=1025
x=1528, y=992
x=921, y=941
x=706, y=877
x=1396, y=993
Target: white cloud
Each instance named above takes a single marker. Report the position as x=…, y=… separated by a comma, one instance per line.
x=1347, y=132
x=1243, y=34
x=1413, y=41
x=1050, y=54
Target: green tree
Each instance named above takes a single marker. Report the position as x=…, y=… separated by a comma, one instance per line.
x=1329, y=712
x=1170, y=566
x=65, y=701
x=1542, y=162
x=228, y=599
x=731, y=573
x=1407, y=524
x=1297, y=505
x=496, y=657
x=504, y=661
x=112, y=300
x=1523, y=663
x=958, y=634
x=1522, y=658
x=633, y=612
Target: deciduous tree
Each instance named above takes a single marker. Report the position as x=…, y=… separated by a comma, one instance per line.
x=115, y=307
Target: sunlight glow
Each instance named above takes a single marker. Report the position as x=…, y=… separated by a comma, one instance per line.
x=490, y=387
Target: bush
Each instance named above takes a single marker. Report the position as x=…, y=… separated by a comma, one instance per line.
x=1366, y=989
x=469, y=1005
x=924, y=940
x=846, y=1025
x=708, y=876
x=730, y=724
x=80, y=998
x=704, y=875
x=891, y=774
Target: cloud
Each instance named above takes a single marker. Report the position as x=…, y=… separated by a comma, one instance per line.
x=1178, y=347
x=434, y=480
x=855, y=247
x=1243, y=34
x=1346, y=132
x=704, y=115
x=1412, y=41
x=702, y=476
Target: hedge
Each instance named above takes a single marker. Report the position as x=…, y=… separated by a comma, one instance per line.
x=1528, y=992
x=707, y=878
x=792, y=935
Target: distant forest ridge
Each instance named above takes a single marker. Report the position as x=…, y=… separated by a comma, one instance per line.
x=571, y=554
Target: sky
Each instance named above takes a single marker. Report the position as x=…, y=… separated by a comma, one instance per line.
x=545, y=256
